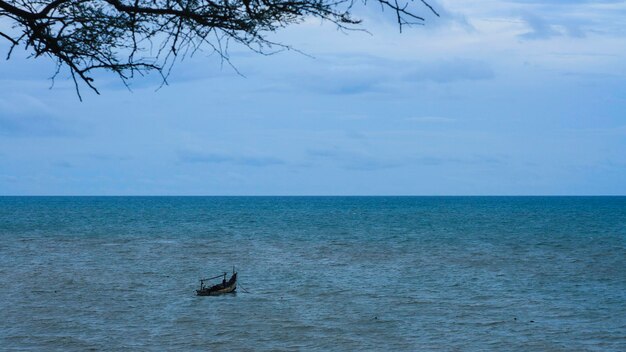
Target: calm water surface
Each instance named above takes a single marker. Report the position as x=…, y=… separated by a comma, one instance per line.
x=324, y=273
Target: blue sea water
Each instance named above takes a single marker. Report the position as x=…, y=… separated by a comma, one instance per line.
x=323, y=273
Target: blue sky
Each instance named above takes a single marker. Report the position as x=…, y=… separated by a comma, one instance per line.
x=495, y=98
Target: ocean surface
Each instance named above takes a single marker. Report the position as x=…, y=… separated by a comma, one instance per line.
x=322, y=273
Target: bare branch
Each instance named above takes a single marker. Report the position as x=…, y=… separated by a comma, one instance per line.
x=128, y=37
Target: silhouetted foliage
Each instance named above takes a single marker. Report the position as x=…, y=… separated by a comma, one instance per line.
x=131, y=37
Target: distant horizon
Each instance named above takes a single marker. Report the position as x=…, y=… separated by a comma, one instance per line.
x=320, y=195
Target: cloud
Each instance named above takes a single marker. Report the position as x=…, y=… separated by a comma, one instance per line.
x=63, y=164
x=373, y=13
x=108, y=157
x=361, y=74
x=9, y=178
x=194, y=157
x=345, y=84
x=539, y=28
x=452, y=70
x=352, y=160
x=345, y=75
x=25, y=116
x=565, y=2
x=446, y=18
x=547, y=20
x=467, y=160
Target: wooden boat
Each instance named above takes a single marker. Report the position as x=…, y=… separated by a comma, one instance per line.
x=225, y=287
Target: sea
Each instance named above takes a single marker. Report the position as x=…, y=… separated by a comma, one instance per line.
x=315, y=273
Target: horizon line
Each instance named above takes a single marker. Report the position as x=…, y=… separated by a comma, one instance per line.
x=314, y=195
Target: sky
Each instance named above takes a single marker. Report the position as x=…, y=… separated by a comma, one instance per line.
x=495, y=97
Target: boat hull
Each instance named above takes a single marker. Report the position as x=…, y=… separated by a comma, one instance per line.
x=208, y=292
x=229, y=287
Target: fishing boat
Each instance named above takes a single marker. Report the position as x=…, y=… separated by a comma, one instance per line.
x=224, y=287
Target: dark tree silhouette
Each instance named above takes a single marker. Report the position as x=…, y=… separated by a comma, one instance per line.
x=131, y=37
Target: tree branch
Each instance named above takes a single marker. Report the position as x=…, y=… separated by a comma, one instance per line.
x=138, y=36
